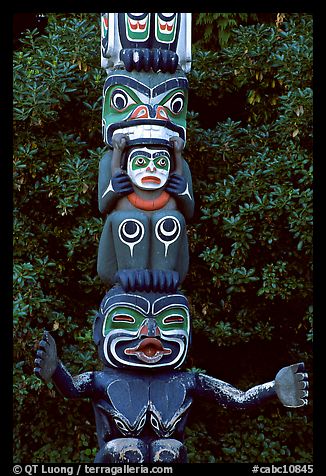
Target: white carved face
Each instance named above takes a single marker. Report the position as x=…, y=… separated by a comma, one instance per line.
x=147, y=168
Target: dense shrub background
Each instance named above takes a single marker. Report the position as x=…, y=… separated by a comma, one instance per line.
x=249, y=148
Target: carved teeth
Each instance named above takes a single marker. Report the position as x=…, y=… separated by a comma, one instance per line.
x=147, y=131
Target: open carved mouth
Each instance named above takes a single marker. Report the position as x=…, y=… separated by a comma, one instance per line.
x=152, y=130
x=151, y=179
x=150, y=350
x=146, y=131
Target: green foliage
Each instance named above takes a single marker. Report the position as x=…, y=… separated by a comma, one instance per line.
x=57, y=145
x=251, y=239
x=250, y=276
x=261, y=439
x=216, y=28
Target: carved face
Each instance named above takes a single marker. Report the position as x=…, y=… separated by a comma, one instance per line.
x=146, y=330
x=150, y=108
x=148, y=168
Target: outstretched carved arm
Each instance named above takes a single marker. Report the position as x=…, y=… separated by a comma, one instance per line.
x=228, y=396
x=290, y=386
x=48, y=367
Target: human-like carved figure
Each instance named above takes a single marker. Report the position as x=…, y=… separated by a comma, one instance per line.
x=147, y=193
x=144, y=184
x=141, y=415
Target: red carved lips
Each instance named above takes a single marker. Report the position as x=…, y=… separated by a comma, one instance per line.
x=150, y=350
x=151, y=179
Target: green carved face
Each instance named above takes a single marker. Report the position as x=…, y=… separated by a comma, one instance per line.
x=144, y=329
x=149, y=108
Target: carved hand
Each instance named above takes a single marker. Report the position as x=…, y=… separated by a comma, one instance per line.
x=122, y=184
x=46, y=358
x=178, y=144
x=119, y=141
x=291, y=384
x=176, y=184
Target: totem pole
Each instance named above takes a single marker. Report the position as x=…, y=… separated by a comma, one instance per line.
x=142, y=397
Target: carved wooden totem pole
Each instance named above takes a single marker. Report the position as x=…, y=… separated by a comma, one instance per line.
x=142, y=397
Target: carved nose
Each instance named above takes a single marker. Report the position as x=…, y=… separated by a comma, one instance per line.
x=150, y=328
x=146, y=111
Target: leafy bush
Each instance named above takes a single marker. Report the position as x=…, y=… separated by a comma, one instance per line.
x=252, y=292
x=57, y=146
x=249, y=146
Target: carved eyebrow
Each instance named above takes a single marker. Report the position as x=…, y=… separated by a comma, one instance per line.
x=161, y=153
x=170, y=84
x=127, y=81
x=134, y=301
x=168, y=302
x=139, y=152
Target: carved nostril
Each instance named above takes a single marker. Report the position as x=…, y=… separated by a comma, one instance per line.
x=144, y=330
x=160, y=113
x=141, y=112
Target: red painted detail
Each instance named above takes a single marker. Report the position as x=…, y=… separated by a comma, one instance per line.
x=149, y=205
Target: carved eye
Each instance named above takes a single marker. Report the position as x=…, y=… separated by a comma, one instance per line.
x=123, y=318
x=175, y=103
x=120, y=100
x=162, y=162
x=173, y=320
x=140, y=162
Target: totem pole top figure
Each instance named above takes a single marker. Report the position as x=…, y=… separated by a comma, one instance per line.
x=144, y=41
